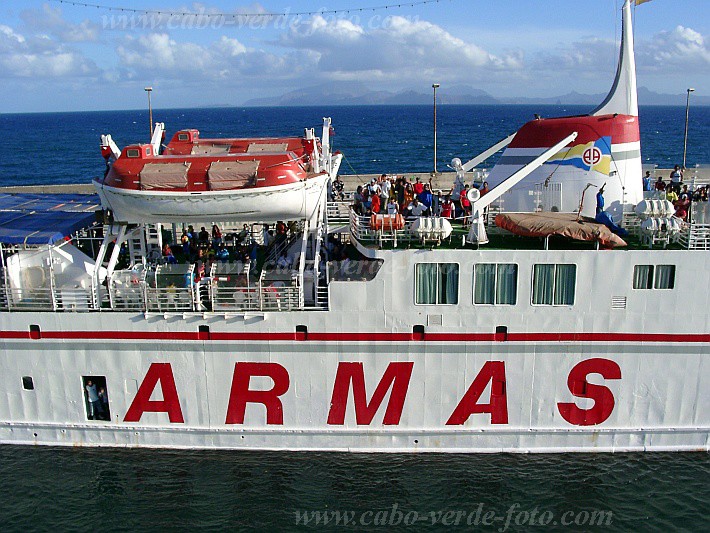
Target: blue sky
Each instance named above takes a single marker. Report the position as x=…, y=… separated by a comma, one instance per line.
x=54, y=56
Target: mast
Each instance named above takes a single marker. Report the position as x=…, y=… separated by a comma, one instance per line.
x=622, y=99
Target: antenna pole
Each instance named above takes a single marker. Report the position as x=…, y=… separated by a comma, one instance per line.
x=150, y=111
x=435, y=86
x=685, y=138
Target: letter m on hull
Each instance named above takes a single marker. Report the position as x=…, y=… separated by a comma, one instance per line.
x=396, y=378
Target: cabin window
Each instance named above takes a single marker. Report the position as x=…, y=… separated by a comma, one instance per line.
x=133, y=152
x=654, y=277
x=27, y=383
x=554, y=284
x=643, y=277
x=183, y=137
x=495, y=284
x=437, y=284
x=147, y=150
x=96, y=398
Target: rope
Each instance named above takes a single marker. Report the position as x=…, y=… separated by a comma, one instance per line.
x=170, y=13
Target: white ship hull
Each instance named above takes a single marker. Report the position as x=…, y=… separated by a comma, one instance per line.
x=635, y=377
x=295, y=201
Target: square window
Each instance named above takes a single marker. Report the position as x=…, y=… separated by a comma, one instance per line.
x=495, y=284
x=554, y=284
x=643, y=276
x=665, y=277
x=27, y=383
x=436, y=284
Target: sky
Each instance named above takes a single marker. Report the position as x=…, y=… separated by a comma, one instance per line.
x=58, y=57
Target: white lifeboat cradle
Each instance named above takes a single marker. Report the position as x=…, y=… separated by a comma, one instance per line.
x=150, y=289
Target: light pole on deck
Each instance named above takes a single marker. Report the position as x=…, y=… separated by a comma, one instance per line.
x=685, y=139
x=435, y=86
x=150, y=110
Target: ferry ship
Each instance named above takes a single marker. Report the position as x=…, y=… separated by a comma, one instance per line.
x=431, y=335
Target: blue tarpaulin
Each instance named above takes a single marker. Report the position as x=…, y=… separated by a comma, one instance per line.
x=44, y=218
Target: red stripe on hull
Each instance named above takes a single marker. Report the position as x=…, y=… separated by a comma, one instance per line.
x=544, y=133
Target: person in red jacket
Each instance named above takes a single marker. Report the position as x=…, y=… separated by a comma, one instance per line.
x=376, y=204
x=465, y=203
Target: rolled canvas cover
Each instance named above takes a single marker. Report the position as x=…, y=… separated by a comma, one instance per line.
x=224, y=175
x=256, y=147
x=562, y=224
x=164, y=176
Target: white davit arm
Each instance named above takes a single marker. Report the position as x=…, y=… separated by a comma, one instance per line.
x=108, y=146
x=478, y=227
x=314, y=155
x=326, y=162
x=480, y=158
x=157, y=138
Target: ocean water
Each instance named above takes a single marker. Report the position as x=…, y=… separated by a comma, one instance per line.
x=51, y=148
x=58, y=489
x=43, y=489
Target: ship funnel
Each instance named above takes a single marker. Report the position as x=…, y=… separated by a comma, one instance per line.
x=623, y=99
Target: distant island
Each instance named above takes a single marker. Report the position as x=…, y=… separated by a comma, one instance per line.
x=354, y=93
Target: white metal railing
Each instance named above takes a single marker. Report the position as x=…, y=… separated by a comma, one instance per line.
x=254, y=298
x=170, y=299
x=338, y=212
x=47, y=299
x=360, y=229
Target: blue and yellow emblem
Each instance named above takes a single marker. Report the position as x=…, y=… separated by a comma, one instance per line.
x=594, y=155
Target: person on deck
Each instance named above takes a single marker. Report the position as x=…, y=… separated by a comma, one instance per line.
x=660, y=184
x=676, y=177
x=604, y=218
x=392, y=207
x=447, y=207
x=465, y=202
x=418, y=187
x=426, y=197
x=416, y=208
x=376, y=204
x=648, y=181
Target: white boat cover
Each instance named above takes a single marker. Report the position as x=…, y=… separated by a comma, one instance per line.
x=223, y=175
x=164, y=176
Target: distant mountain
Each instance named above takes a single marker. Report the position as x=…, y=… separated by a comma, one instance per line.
x=356, y=93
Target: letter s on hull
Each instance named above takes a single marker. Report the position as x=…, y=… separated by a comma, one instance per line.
x=581, y=388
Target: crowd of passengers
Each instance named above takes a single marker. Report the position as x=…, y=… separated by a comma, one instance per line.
x=676, y=192
x=204, y=248
x=398, y=195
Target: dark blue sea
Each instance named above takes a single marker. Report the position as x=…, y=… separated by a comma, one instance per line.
x=53, y=489
x=52, y=148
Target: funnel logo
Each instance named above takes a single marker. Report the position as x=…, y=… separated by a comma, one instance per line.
x=590, y=156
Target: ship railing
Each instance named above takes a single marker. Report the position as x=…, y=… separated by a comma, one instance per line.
x=696, y=236
x=255, y=298
x=360, y=229
x=47, y=299
x=169, y=299
x=338, y=212
x=321, y=301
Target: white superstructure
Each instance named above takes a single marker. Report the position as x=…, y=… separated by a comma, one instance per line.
x=419, y=340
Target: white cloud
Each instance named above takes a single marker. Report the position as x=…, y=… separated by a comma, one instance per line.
x=157, y=54
x=39, y=57
x=50, y=21
x=398, y=49
x=679, y=49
